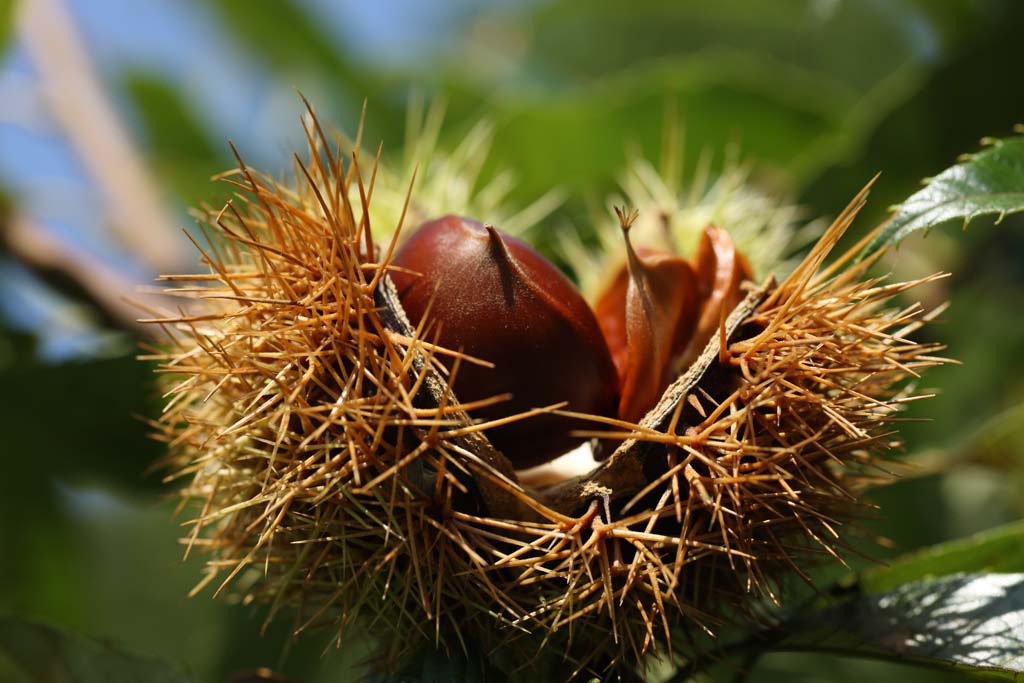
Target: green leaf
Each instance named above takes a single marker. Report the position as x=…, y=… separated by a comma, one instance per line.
x=40, y=654
x=64, y=424
x=300, y=52
x=986, y=183
x=550, y=140
x=573, y=41
x=183, y=153
x=788, y=82
x=996, y=550
x=970, y=623
x=284, y=37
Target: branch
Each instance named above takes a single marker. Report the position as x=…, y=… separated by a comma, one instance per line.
x=78, y=277
x=83, y=110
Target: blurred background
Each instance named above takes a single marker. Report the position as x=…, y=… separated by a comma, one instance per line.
x=115, y=113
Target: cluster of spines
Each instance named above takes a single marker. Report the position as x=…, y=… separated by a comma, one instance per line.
x=299, y=421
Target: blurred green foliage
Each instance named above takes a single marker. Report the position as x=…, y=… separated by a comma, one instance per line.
x=184, y=155
x=36, y=653
x=820, y=95
x=289, y=43
x=6, y=21
x=966, y=622
x=793, y=86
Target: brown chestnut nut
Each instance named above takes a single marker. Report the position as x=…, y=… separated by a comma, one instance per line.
x=495, y=298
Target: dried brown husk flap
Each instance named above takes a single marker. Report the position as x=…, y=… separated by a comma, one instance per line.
x=624, y=472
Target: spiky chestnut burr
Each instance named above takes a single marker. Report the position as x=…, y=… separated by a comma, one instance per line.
x=495, y=298
x=330, y=473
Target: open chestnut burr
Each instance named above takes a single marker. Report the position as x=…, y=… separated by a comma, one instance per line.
x=345, y=465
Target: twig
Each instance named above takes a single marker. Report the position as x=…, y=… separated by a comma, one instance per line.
x=83, y=110
x=77, y=276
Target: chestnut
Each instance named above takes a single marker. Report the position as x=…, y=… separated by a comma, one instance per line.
x=495, y=298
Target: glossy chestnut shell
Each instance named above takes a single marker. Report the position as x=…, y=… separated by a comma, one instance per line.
x=495, y=298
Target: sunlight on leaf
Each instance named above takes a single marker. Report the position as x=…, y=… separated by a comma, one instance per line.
x=972, y=623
